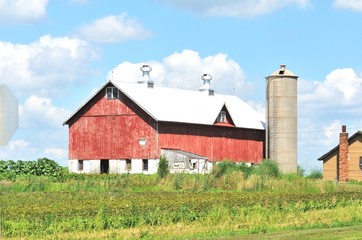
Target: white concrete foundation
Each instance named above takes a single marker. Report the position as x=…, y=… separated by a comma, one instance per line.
x=115, y=166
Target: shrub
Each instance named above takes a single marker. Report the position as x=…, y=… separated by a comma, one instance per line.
x=315, y=174
x=267, y=168
x=163, y=169
x=227, y=167
x=245, y=169
x=222, y=168
x=41, y=167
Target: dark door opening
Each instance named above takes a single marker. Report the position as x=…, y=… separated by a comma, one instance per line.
x=104, y=166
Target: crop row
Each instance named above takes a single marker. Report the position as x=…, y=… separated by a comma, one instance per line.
x=33, y=205
x=26, y=214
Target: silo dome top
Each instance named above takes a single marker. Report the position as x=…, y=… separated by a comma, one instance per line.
x=283, y=72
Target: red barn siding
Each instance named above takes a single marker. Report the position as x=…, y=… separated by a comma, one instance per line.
x=111, y=129
x=217, y=143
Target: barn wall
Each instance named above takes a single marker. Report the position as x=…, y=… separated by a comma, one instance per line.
x=217, y=143
x=111, y=129
x=152, y=166
x=114, y=167
x=73, y=166
x=355, y=152
x=92, y=166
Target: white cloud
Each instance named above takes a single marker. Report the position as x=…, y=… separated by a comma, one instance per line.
x=113, y=29
x=323, y=107
x=40, y=112
x=184, y=70
x=13, y=11
x=23, y=150
x=236, y=8
x=44, y=64
x=340, y=88
x=355, y=5
x=17, y=145
x=56, y=153
x=331, y=132
x=15, y=150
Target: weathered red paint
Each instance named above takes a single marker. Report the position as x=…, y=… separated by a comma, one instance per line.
x=111, y=129
x=218, y=143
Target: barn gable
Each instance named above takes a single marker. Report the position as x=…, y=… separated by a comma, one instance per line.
x=101, y=104
x=99, y=129
x=224, y=118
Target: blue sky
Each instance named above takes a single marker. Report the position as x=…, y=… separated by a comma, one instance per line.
x=55, y=54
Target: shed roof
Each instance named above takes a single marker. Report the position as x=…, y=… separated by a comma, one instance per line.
x=185, y=153
x=186, y=106
x=350, y=139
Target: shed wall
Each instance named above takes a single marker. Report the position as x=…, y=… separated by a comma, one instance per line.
x=355, y=152
x=330, y=167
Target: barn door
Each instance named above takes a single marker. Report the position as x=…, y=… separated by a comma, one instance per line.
x=104, y=166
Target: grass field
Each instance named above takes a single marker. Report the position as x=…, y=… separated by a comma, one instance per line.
x=179, y=206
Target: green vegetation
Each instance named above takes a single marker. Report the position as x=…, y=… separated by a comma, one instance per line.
x=315, y=174
x=42, y=167
x=162, y=170
x=234, y=200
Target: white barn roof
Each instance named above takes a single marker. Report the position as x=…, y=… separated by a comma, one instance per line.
x=177, y=105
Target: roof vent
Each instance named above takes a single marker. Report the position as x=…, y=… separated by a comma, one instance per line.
x=146, y=69
x=206, y=87
x=282, y=69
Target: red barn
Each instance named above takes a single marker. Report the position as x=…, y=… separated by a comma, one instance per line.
x=126, y=127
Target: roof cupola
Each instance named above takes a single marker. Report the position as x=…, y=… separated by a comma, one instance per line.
x=206, y=87
x=146, y=69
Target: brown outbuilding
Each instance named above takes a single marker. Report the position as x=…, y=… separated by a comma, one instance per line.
x=344, y=162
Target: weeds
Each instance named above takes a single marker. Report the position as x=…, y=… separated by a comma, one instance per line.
x=252, y=199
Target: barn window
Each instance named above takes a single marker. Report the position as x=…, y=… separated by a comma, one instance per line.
x=360, y=163
x=112, y=92
x=80, y=165
x=193, y=163
x=128, y=165
x=145, y=164
x=222, y=116
x=142, y=141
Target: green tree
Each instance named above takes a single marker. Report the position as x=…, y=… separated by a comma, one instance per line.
x=163, y=168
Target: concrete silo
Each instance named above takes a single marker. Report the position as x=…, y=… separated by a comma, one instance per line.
x=281, y=116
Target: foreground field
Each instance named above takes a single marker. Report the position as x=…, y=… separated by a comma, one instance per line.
x=172, y=232
x=179, y=206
